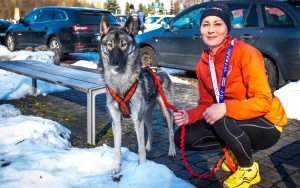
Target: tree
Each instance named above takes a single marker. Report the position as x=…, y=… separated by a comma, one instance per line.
x=176, y=7
x=161, y=8
x=172, y=10
x=26, y=6
x=127, y=9
x=112, y=6
x=141, y=8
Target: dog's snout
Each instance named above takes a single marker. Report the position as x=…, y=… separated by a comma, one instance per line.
x=115, y=62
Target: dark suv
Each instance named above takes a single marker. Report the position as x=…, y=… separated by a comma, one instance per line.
x=273, y=27
x=63, y=29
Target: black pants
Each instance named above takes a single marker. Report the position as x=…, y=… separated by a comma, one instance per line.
x=240, y=136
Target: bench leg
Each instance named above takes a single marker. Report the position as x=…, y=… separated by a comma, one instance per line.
x=34, y=87
x=91, y=109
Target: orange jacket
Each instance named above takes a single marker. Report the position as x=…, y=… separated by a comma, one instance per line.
x=247, y=92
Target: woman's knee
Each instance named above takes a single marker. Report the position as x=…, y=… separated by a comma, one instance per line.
x=219, y=125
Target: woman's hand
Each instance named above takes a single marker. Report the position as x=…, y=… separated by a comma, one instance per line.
x=214, y=113
x=181, y=117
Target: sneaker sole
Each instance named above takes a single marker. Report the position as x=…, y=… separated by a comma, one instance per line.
x=254, y=181
x=245, y=184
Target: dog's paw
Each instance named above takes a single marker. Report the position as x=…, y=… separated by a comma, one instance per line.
x=172, y=150
x=114, y=172
x=142, y=159
x=148, y=147
x=172, y=153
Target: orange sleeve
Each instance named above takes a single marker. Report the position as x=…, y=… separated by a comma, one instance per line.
x=259, y=96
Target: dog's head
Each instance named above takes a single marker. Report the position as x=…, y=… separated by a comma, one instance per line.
x=118, y=50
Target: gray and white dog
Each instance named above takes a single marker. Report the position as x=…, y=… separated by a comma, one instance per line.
x=133, y=86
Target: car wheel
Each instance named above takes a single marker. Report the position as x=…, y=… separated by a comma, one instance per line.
x=10, y=42
x=271, y=72
x=56, y=47
x=148, y=57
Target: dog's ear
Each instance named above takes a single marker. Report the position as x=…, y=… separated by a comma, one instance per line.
x=129, y=26
x=104, y=25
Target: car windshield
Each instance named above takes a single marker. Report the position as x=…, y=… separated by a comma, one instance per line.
x=150, y=20
x=121, y=18
x=93, y=18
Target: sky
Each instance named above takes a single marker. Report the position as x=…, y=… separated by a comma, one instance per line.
x=37, y=152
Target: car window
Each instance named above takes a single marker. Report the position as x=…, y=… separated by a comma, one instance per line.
x=164, y=20
x=59, y=15
x=251, y=19
x=31, y=17
x=45, y=15
x=275, y=17
x=93, y=18
x=188, y=21
x=243, y=15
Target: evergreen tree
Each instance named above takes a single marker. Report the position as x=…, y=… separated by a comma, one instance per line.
x=116, y=7
x=162, y=9
x=26, y=6
x=176, y=7
x=172, y=11
x=127, y=9
x=141, y=8
x=109, y=5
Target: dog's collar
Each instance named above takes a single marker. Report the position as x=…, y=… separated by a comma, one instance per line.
x=124, y=103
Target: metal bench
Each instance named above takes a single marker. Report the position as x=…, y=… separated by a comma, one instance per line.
x=91, y=83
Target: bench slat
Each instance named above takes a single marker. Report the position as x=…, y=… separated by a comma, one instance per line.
x=60, y=71
x=52, y=78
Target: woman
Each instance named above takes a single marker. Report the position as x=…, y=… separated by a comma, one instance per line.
x=236, y=106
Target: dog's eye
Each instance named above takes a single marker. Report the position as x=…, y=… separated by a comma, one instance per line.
x=123, y=44
x=110, y=44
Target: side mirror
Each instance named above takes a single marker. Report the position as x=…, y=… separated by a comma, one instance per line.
x=26, y=22
x=21, y=20
x=166, y=26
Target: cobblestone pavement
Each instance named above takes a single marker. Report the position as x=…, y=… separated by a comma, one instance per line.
x=279, y=165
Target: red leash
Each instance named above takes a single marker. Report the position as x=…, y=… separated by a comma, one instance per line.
x=183, y=154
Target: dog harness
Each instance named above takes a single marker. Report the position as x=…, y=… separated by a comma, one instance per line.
x=123, y=103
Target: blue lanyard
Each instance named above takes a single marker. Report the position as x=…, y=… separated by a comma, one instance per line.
x=220, y=93
x=224, y=74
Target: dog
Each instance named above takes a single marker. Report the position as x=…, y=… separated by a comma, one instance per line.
x=133, y=86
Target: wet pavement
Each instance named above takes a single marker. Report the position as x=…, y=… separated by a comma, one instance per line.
x=279, y=165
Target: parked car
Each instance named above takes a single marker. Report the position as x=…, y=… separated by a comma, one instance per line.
x=121, y=18
x=273, y=27
x=3, y=27
x=156, y=21
x=63, y=29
